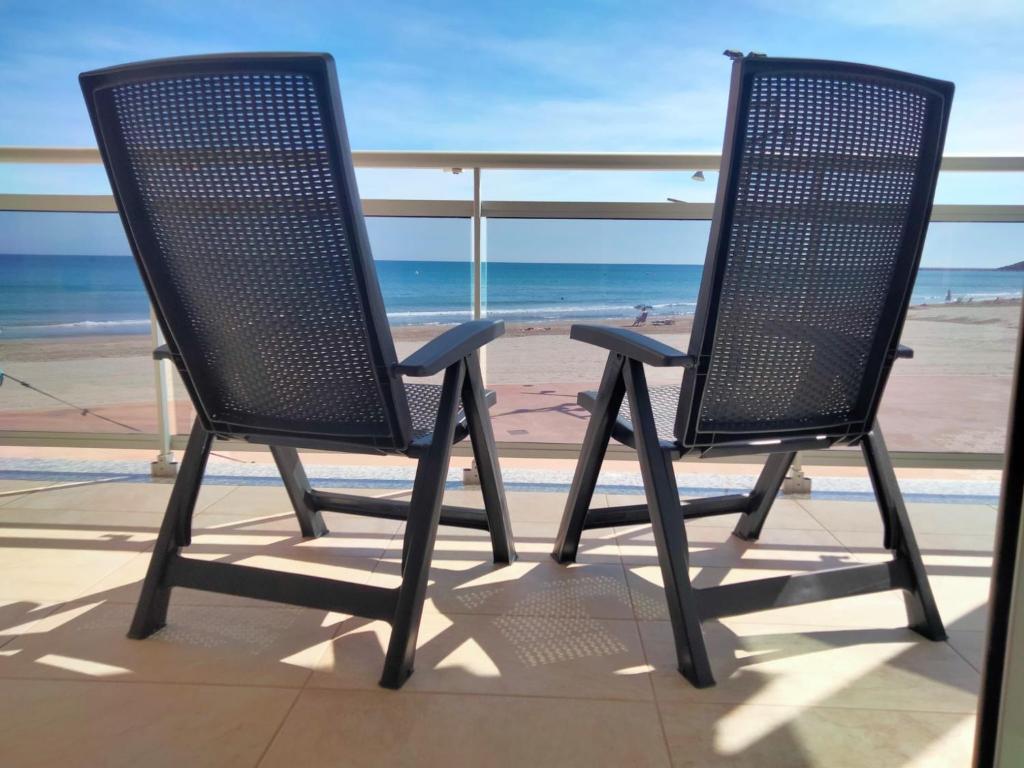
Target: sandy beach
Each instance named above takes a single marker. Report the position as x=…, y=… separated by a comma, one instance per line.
x=952, y=396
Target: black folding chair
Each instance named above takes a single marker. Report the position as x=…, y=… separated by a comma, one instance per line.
x=234, y=181
x=828, y=174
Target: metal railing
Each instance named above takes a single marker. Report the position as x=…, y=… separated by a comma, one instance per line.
x=478, y=210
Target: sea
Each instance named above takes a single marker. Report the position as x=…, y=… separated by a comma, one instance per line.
x=46, y=296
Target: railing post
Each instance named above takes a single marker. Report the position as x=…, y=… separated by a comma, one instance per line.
x=470, y=476
x=478, y=224
x=796, y=482
x=165, y=465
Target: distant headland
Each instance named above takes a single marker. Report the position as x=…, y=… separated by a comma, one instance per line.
x=1018, y=267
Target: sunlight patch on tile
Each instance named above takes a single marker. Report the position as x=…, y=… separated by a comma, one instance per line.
x=737, y=731
x=51, y=622
x=509, y=573
x=640, y=669
x=249, y=521
x=938, y=751
x=470, y=658
x=308, y=658
x=82, y=666
x=237, y=539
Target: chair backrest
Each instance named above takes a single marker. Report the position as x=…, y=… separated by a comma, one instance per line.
x=828, y=174
x=234, y=180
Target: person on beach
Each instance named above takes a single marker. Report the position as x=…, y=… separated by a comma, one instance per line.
x=641, y=319
x=949, y=295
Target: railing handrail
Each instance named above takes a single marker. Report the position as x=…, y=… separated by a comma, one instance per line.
x=554, y=161
x=511, y=209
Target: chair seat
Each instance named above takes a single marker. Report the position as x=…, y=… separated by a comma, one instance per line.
x=664, y=403
x=425, y=399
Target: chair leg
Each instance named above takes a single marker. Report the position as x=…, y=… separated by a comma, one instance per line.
x=485, y=452
x=420, y=533
x=175, y=532
x=669, y=532
x=293, y=475
x=592, y=452
x=749, y=526
x=922, y=612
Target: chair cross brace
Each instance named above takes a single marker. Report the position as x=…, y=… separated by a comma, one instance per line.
x=276, y=586
x=401, y=607
x=688, y=605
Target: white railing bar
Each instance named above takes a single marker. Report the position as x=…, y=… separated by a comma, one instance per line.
x=58, y=203
x=442, y=209
x=429, y=209
x=538, y=209
x=164, y=466
x=511, y=209
x=564, y=161
x=477, y=246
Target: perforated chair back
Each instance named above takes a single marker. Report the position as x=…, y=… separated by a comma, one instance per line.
x=234, y=180
x=828, y=175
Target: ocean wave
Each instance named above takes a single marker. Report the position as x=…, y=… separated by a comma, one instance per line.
x=79, y=327
x=977, y=296
x=95, y=324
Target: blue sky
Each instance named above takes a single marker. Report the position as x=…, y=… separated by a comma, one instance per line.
x=641, y=76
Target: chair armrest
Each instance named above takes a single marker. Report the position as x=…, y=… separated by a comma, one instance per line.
x=163, y=352
x=632, y=345
x=450, y=347
x=904, y=351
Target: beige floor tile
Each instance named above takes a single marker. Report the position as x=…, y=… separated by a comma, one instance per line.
x=337, y=525
x=57, y=571
x=497, y=644
x=977, y=519
x=13, y=515
x=123, y=585
x=750, y=736
x=121, y=497
x=524, y=588
x=44, y=723
x=780, y=548
x=515, y=655
x=15, y=486
x=12, y=490
x=786, y=513
x=951, y=553
x=599, y=545
x=200, y=644
x=44, y=528
x=879, y=610
x=370, y=728
x=533, y=542
x=252, y=501
x=969, y=644
x=533, y=507
x=340, y=541
x=119, y=530
x=817, y=666
x=963, y=601
x=19, y=616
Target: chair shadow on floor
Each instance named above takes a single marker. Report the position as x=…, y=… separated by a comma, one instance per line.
x=525, y=622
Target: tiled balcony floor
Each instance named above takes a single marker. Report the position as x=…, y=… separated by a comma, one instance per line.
x=533, y=664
